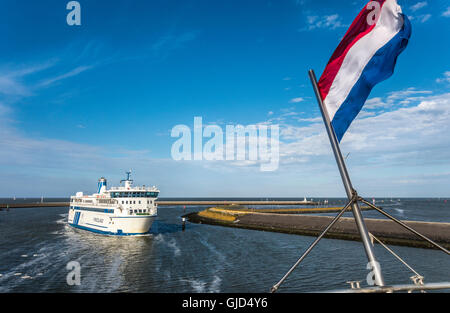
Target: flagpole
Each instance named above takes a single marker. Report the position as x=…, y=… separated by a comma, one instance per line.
x=348, y=185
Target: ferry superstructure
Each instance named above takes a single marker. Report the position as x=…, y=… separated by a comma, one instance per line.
x=125, y=211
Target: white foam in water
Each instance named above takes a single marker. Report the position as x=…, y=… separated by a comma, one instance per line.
x=39, y=263
x=215, y=285
x=200, y=286
x=400, y=212
x=213, y=249
x=197, y=285
x=171, y=244
x=63, y=219
x=174, y=246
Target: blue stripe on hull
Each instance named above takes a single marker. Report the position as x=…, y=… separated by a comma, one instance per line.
x=379, y=68
x=76, y=218
x=93, y=209
x=107, y=232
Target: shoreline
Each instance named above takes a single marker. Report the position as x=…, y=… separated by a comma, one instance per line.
x=311, y=225
x=170, y=203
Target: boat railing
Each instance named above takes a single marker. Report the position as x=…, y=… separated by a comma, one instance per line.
x=99, y=202
x=143, y=188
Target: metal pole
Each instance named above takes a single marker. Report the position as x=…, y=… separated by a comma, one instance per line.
x=277, y=285
x=394, y=254
x=347, y=184
x=404, y=225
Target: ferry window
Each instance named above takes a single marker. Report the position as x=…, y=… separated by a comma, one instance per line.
x=148, y=202
x=126, y=202
x=122, y=201
x=139, y=201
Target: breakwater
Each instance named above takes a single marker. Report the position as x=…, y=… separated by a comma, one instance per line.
x=309, y=225
x=33, y=205
x=172, y=203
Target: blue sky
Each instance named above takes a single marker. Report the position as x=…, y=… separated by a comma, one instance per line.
x=80, y=102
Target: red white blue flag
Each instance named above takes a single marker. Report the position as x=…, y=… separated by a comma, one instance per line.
x=366, y=56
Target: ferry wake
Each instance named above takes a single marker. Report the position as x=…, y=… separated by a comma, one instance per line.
x=123, y=211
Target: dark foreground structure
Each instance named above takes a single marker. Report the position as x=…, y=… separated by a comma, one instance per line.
x=386, y=230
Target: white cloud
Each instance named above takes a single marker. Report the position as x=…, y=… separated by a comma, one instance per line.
x=168, y=43
x=424, y=18
x=296, y=100
x=10, y=86
x=446, y=13
x=419, y=5
x=325, y=22
x=397, y=98
x=389, y=149
x=12, y=80
x=415, y=135
x=71, y=73
x=445, y=78
x=420, y=18
x=310, y=119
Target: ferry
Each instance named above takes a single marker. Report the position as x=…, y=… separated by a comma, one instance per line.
x=122, y=211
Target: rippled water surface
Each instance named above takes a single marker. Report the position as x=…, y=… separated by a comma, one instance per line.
x=36, y=244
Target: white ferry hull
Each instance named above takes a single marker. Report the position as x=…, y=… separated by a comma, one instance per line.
x=110, y=224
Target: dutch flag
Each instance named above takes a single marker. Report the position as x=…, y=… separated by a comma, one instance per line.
x=366, y=56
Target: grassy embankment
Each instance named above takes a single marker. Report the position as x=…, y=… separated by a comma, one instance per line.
x=232, y=212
